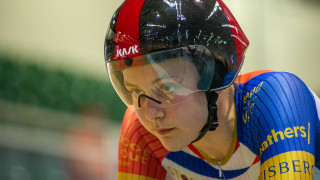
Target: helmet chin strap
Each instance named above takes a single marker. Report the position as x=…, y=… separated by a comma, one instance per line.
x=212, y=122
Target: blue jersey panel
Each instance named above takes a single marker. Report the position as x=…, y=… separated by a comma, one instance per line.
x=282, y=108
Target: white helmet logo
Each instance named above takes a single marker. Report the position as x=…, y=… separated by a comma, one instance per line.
x=125, y=52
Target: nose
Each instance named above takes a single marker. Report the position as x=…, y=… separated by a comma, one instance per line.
x=151, y=108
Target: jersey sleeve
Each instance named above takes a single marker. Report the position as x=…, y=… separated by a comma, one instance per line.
x=140, y=153
x=287, y=120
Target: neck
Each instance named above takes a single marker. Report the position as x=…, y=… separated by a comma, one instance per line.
x=217, y=144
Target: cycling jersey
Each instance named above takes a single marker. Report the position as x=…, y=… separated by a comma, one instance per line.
x=277, y=136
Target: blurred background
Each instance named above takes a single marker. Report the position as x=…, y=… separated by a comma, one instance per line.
x=59, y=116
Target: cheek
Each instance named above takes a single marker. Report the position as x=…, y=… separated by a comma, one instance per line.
x=143, y=120
x=192, y=113
x=224, y=105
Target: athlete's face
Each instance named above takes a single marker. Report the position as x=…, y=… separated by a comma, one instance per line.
x=175, y=124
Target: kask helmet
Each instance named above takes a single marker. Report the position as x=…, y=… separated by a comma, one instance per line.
x=171, y=39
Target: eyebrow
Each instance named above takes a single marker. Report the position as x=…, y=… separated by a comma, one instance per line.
x=126, y=83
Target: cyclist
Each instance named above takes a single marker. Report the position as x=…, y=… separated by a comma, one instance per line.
x=175, y=64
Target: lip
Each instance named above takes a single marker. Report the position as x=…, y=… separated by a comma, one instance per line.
x=164, y=131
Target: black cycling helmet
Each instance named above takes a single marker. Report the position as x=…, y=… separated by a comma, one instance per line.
x=156, y=33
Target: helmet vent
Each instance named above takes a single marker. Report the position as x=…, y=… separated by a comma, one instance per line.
x=142, y=25
x=146, y=13
x=141, y=37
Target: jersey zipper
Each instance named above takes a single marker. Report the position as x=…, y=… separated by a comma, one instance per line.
x=220, y=169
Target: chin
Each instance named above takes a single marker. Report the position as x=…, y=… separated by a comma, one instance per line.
x=172, y=146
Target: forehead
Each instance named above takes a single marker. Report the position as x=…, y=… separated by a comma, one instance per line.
x=173, y=68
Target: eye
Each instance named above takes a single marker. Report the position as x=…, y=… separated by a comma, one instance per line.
x=169, y=88
x=137, y=92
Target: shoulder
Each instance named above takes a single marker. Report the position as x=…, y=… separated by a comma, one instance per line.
x=279, y=110
x=277, y=100
x=272, y=98
x=271, y=79
x=138, y=148
x=281, y=106
x=282, y=93
x=278, y=92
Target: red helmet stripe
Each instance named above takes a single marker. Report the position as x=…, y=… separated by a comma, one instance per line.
x=127, y=30
x=240, y=39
